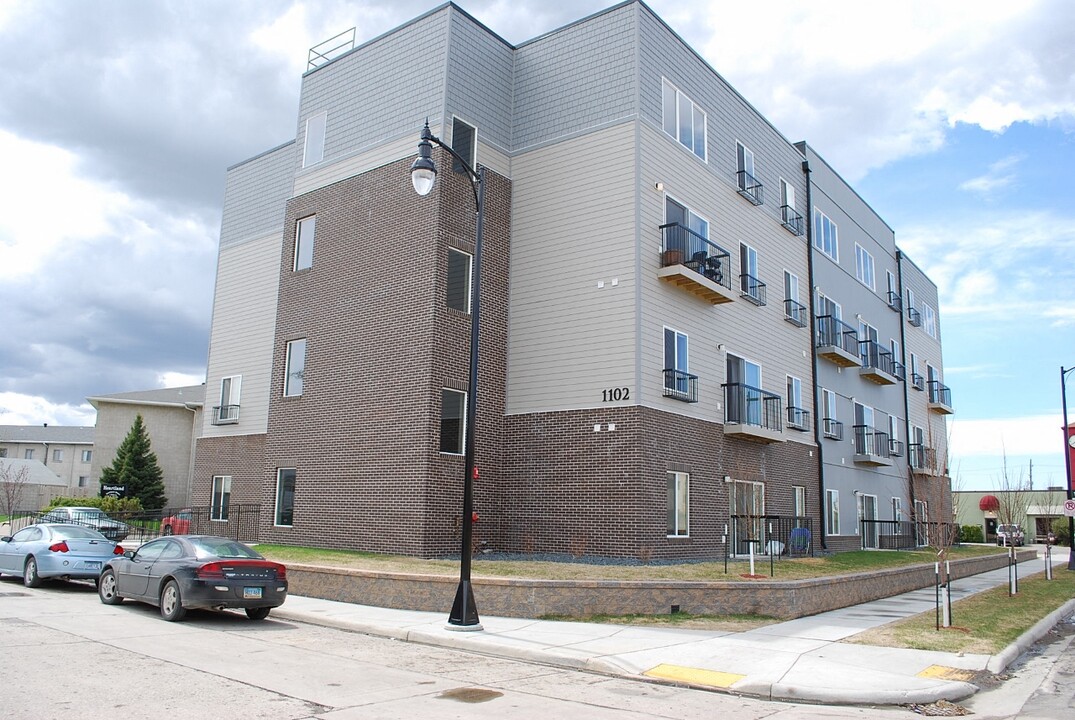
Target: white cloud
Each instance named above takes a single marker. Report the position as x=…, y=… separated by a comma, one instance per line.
x=997, y=178
x=18, y=409
x=996, y=437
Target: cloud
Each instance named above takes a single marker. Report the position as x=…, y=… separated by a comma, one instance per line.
x=996, y=437
x=997, y=178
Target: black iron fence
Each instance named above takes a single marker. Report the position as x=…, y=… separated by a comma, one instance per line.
x=752, y=406
x=772, y=535
x=906, y=534
x=833, y=332
x=239, y=521
x=683, y=246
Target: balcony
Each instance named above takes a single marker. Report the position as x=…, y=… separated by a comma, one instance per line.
x=923, y=459
x=895, y=301
x=940, y=398
x=752, y=288
x=917, y=381
x=792, y=220
x=693, y=263
x=832, y=428
x=752, y=414
x=914, y=317
x=877, y=365
x=680, y=385
x=798, y=419
x=749, y=187
x=795, y=312
x=837, y=341
x=871, y=446
x=225, y=414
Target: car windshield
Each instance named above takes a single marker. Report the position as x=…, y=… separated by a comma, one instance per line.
x=72, y=532
x=87, y=513
x=221, y=547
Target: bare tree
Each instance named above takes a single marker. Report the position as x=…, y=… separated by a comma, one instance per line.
x=1013, y=496
x=12, y=484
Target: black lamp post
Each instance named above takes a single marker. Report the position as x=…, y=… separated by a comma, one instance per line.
x=1068, y=438
x=464, y=615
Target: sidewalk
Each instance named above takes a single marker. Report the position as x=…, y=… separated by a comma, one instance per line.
x=800, y=660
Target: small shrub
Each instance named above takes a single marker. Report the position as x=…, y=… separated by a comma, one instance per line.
x=1060, y=529
x=971, y=534
x=108, y=504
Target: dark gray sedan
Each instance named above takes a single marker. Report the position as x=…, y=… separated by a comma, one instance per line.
x=195, y=571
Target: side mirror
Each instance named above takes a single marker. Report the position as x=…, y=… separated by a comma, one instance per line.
x=6, y=538
x=129, y=554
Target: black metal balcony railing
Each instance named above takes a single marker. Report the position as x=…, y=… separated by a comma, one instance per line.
x=749, y=187
x=680, y=385
x=798, y=418
x=895, y=448
x=914, y=317
x=870, y=442
x=683, y=246
x=895, y=301
x=832, y=428
x=922, y=457
x=917, y=381
x=795, y=312
x=225, y=414
x=832, y=331
x=899, y=370
x=748, y=405
x=792, y=220
x=874, y=355
x=939, y=394
x=753, y=289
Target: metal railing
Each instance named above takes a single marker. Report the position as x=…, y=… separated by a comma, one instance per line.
x=240, y=522
x=748, y=405
x=795, y=312
x=752, y=288
x=922, y=457
x=749, y=187
x=683, y=246
x=225, y=414
x=330, y=49
x=869, y=441
x=832, y=331
x=895, y=301
x=895, y=448
x=918, y=382
x=899, y=370
x=798, y=418
x=832, y=428
x=680, y=385
x=939, y=394
x=772, y=535
x=792, y=220
x=875, y=356
x=914, y=317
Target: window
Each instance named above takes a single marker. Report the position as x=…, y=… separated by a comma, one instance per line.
x=828, y=307
x=453, y=404
x=464, y=138
x=678, y=503
x=295, y=367
x=28, y=454
x=746, y=180
x=796, y=414
x=221, y=497
x=798, y=494
x=57, y=456
x=832, y=508
x=828, y=406
x=3, y=452
x=864, y=267
x=893, y=429
x=893, y=292
x=752, y=287
x=910, y=299
x=87, y=455
x=897, y=509
x=305, y=229
x=794, y=310
x=825, y=235
x=83, y=480
x=459, y=264
x=674, y=212
x=228, y=411
x=285, y=497
x=929, y=319
x=684, y=120
x=314, y=150
x=675, y=359
x=791, y=286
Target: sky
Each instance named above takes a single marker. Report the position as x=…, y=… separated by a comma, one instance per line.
x=954, y=120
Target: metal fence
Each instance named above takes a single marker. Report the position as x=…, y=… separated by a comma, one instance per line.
x=236, y=521
x=906, y=534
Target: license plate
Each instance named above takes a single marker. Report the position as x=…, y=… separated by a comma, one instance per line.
x=93, y=565
x=251, y=592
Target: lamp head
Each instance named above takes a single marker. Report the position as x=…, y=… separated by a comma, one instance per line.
x=424, y=170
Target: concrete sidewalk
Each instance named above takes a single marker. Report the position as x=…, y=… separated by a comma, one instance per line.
x=799, y=660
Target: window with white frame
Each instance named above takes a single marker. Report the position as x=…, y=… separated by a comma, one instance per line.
x=83, y=480
x=285, y=497
x=748, y=266
x=314, y=149
x=57, y=456
x=832, y=510
x=675, y=212
x=745, y=174
x=221, y=497
x=464, y=142
x=793, y=309
x=228, y=410
x=830, y=426
x=893, y=429
x=458, y=294
x=684, y=120
x=678, y=504
x=295, y=367
x=28, y=454
x=864, y=266
x=787, y=199
x=676, y=363
x=798, y=495
x=929, y=320
x=87, y=456
x=453, y=410
x=910, y=299
x=305, y=230
x=825, y=235
x=796, y=413
x=897, y=509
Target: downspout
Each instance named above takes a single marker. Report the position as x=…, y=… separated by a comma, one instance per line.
x=188, y=495
x=813, y=354
x=906, y=386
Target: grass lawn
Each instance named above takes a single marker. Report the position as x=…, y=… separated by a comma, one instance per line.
x=984, y=623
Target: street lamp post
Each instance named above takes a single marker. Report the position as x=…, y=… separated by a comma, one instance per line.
x=464, y=615
x=1067, y=463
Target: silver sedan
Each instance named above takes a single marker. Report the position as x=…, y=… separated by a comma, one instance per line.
x=48, y=550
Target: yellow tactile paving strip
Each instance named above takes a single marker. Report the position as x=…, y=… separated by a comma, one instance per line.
x=946, y=673
x=694, y=676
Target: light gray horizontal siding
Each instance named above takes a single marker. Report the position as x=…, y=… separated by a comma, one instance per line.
x=254, y=196
x=479, y=81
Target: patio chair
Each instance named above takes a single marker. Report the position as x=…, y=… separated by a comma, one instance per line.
x=798, y=542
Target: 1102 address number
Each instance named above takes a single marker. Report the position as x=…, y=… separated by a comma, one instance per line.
x=616, y=394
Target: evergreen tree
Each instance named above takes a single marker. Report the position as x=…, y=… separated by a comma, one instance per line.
x=135, y=466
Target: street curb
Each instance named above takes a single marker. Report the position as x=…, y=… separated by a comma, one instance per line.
x=999, y=662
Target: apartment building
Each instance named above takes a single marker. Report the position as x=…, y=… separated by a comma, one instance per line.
x=66, y=451
x=647, y=355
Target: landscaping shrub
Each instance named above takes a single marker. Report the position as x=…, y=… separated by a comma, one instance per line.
x=971, y=534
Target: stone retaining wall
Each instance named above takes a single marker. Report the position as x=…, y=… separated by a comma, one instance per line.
x=579, y=598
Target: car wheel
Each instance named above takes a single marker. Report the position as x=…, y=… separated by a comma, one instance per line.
x=257, y=613
x=108, y=588
x=30, y=578
x=172, y=602
x=167, y=529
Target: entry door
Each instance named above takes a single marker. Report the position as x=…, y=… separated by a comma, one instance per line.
x=868, y=520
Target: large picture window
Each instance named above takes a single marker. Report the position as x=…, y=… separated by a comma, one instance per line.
x=684, y=120
x=285, y=497
x=678, y=504
x=221, y=497
x=453, y=408
x=295, y=367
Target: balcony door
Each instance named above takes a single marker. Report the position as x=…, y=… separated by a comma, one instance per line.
x=744, y=401
x=868, y=520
